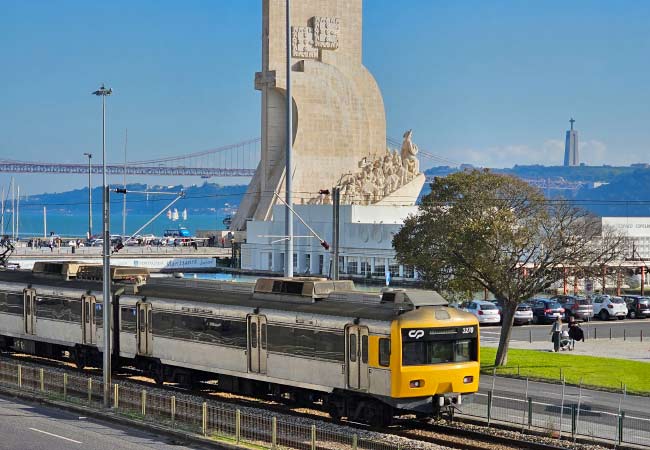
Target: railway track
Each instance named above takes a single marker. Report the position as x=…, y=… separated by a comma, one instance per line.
x=412, y=431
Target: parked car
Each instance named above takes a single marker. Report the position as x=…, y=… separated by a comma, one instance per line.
x=609, y=306
x=486, y=312
x=579, y=308
x=546, y=310
x=523, y=313
x=637, y=306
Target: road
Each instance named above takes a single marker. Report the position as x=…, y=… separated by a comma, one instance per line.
x=35, y=427
x=595, y=329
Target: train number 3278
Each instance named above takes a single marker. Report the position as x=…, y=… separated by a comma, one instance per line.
x=468, y=330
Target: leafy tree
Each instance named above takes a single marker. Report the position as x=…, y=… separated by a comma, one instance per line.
x=477, y=229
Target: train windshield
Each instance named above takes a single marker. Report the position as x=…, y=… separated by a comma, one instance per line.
x=432, y=352
x=439, y=346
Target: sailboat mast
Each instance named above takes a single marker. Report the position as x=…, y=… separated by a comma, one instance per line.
x=13, y=209
x=2, y=213
x=126, y=140
x=18, y=214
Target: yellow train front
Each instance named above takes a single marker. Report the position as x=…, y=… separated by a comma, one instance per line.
x=422, y=357
x=435, y=360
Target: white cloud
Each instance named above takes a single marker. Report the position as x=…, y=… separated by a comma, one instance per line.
x=593, y=153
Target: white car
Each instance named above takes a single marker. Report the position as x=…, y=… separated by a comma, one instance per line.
x=485, y=312
x=609, y=306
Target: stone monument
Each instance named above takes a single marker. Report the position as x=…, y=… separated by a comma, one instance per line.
x=339, y=121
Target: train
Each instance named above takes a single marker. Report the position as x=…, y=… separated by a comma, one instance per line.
x=364, y=356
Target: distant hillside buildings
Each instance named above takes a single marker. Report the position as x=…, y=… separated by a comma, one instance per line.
x=571, y=152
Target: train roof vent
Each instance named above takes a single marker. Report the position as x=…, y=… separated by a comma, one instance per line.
x=66, y=270
x=412, y=297
x=301, y=289
x=355, y=297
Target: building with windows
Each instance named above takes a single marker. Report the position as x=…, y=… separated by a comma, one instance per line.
x=638, y=230
x=365, y=242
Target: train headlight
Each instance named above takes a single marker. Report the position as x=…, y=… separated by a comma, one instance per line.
x=468, y=379
x=416, y=383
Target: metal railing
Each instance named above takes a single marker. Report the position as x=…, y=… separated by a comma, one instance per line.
x=223, y=423
x=559, y=410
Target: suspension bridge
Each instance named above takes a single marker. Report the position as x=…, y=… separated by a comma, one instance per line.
x=234, y=160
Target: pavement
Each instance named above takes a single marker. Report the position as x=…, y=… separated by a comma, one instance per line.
x=635, y=346
x=35, y=427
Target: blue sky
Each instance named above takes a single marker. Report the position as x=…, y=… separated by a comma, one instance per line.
x=484, y=82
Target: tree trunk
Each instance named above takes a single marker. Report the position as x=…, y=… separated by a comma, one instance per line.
x=508, y=317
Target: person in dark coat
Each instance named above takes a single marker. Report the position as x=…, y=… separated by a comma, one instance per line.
x=575, y=333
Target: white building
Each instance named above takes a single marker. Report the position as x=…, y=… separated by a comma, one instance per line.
x=365, y=243
x=637, y=229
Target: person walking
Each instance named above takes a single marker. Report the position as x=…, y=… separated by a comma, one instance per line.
x=556, y=330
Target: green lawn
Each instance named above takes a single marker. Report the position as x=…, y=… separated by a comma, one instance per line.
x=601, y=373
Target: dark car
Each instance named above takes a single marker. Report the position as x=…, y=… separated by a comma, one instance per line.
x=579, y=308
x=637, y=306
x=546, y=310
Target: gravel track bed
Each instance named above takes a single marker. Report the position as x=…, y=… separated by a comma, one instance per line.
x=410, y=436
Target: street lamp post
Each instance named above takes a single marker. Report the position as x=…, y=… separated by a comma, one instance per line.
x=106, y=278
x=90, y=197
x=288, y=216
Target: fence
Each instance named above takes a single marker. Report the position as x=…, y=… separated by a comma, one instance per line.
x=217, y=422
x=562, y=411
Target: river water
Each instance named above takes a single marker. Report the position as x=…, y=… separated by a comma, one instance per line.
x=76, y=224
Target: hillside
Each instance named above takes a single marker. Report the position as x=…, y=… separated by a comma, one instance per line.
x=627, y=194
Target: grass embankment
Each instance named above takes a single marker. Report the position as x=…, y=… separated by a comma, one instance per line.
x=592, y=371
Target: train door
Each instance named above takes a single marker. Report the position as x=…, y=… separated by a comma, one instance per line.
x=88, y=319
x=29, y=296
x=256, y=344
x=356, y=347
x=145, y=329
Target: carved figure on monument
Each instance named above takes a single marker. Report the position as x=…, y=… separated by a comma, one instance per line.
x=409, y=152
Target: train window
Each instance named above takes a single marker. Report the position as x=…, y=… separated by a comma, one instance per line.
x=352, y=349
x=99, y=315
x=364, y=349
x=463, y=351
x=253, y=335
x=384, y=352
x=15, y=304
x=75, y=311
x=438, y=352
x=52, y=308
x=263, y=336
x=128, y=320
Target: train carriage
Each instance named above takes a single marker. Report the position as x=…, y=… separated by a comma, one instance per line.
x=365, y=356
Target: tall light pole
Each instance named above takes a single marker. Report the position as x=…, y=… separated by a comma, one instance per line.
x=288, y=216
x=90, y=196
x=106, y=278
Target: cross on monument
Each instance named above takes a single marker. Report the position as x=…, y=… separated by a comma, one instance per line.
x=572, y=120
